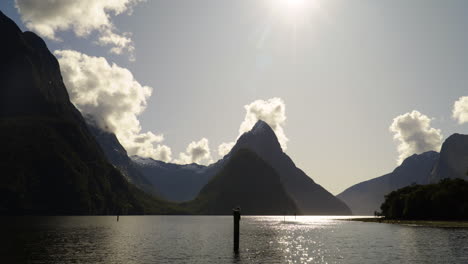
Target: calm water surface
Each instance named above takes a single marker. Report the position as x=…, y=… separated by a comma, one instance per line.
x=208, y=239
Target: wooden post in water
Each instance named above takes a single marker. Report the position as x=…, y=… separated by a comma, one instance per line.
x=237, y=216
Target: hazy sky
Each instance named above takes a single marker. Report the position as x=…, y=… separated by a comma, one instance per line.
x=344, y=70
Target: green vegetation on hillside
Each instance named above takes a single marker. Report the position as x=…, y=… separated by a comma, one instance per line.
x=446, y=200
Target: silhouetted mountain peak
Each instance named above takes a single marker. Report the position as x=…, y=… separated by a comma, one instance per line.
x=261, y=127
x=310, y=197
x=246, y=180
x=261, y=138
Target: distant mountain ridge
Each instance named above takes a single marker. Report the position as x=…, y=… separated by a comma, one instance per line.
x=174, y=182
x=429, y=167
x=366, y=197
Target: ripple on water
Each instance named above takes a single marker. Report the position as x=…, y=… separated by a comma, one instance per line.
x=208, y=239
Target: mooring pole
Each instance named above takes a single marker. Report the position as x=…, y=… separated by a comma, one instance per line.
x=237, y=216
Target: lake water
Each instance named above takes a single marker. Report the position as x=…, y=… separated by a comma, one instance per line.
x=208, y=239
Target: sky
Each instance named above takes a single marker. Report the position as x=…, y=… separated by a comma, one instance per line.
x=351, y=88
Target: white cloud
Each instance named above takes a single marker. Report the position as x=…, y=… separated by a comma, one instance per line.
x=414, y=134
x=196, y=152
x=48, y=17
x=272, y=111
x=224, y=148
x=113, y=98
x=460, y=110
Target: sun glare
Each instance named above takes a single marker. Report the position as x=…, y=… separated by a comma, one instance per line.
x=291, y=9
x=294, y=3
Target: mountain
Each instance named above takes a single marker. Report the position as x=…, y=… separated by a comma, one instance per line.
x=246, y=181
x=453, y=161
x=117, y=156
x=310, y=198
x=366, y=197
x=50, y=163
x=184, y=182
x=174, y=182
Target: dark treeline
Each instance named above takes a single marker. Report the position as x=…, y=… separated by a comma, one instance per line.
x=446, y=200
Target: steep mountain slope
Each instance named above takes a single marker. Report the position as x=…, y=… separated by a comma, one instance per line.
x=246, y=181
x=366, y=197
x=453, y=161
x=117, y=156
x=173, y=182
x=310, y=198
x=50, y=162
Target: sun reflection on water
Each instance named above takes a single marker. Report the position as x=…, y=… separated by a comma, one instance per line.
x=208, y=239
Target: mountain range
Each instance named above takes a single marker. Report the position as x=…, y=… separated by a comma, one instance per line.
x=50, y=162
x=184, y=182
x=55, y=161
x=366, y=197
x=174, y=182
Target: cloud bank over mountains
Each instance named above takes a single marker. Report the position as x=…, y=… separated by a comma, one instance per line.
x=196, y=152
x=110, y=95
x=113, y=98
x=83, y=17
x=414, y=134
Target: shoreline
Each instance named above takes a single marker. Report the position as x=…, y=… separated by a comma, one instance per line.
x=422, y=223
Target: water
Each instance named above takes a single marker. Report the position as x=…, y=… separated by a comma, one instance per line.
x=208, y=239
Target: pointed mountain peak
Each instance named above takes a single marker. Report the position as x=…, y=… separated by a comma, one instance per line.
x=262, y=128
x=261, y=139
x=261, y=132
x=260, y=125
